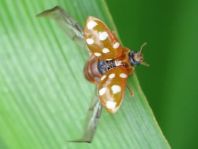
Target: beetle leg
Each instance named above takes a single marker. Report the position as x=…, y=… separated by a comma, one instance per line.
x=130, y=90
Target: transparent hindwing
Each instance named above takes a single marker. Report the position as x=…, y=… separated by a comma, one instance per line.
x=92, y=120
x=70, y=26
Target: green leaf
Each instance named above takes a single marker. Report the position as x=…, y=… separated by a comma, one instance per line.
x=44, y=96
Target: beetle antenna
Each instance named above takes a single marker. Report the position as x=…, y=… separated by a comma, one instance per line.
x=145, y=64
x=142, y=46
x=140, y=53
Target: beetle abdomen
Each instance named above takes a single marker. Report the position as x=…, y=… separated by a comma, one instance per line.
x=91, y=71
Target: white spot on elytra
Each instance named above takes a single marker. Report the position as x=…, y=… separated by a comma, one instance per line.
x=111, y=76
x=89, y=41
x=110, y=104
x=116, y=45
x=97, y=54
x=115, y=89
x=91, y=24
x=123, y=75
x=105, y=50
x=102, y=91
x=103, y=77
x=103, y=35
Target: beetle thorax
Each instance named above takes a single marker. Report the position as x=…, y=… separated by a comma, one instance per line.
x=104, y=66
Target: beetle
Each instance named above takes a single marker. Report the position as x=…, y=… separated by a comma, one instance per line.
x=108, y=66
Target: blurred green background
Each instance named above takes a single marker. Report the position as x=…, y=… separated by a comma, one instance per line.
x=170, y=83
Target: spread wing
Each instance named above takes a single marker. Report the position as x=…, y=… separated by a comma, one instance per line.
x=111, y=88
x=92, y=119
x=71, y=27
x=100, y=40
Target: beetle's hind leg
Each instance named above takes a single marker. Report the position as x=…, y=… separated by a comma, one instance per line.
x=130, y=90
